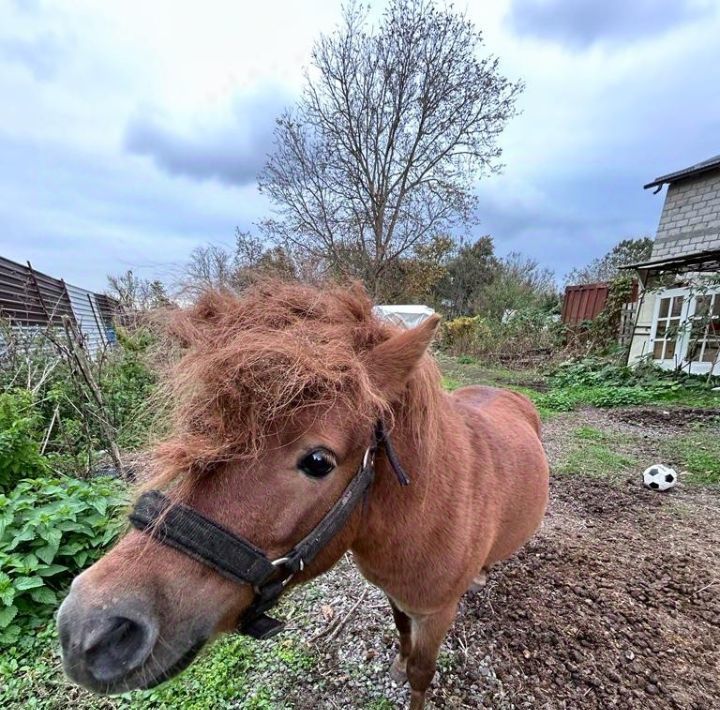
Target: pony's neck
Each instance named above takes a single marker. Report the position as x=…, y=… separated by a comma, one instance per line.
x=425, y=426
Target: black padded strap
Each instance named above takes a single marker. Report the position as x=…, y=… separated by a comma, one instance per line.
x=199, y=537
x=306, y=550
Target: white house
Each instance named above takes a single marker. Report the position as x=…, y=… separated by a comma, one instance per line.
x=678, y=317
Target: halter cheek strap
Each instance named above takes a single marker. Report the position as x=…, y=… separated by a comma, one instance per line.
x=199, y=537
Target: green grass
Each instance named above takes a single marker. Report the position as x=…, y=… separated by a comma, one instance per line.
x=232, y=672
x=450, y=383
x=588, y=433
x=598, y=454
x=467, y=370
x=697, y=452
x=568, y=395
x=596, y=460
x=610, y=454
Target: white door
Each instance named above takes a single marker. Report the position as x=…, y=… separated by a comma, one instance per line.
x=686, y=330
x=667, y=337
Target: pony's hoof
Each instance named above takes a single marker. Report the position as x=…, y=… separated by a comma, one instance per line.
x=398, y=670
x=479, y=582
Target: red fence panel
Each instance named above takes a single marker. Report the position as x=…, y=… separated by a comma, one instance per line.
x=583, y=302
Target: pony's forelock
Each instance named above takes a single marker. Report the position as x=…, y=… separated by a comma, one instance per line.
x=255, y=363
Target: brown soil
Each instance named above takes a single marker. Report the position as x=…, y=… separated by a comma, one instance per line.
x=671, y=416
x=614, y=603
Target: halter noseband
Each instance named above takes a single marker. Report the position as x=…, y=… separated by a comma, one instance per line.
x=190, y=532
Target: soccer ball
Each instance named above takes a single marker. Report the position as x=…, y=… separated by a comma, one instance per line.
x=660, y=477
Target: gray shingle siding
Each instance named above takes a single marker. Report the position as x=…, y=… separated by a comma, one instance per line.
x=690, y=221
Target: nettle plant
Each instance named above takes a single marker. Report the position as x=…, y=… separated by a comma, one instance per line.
x=19, y=438
x=49, y=530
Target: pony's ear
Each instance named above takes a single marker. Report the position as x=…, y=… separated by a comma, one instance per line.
x=391, y=363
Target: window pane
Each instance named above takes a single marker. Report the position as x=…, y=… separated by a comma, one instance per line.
x=664, y=306
x=669, y=349
x=674, y=327
x=661, y=327
x=697, y=329
x=677, y=305
x=694, y=348
x=702, y=307
x=658, y=349
x=711, y=351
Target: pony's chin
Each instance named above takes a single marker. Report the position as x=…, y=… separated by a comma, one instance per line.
x=176, y=668
x=143, y=678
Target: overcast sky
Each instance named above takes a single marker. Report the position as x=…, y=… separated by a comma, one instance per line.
x=131, y=132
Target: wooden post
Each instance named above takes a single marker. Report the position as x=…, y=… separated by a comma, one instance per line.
x=79, y=356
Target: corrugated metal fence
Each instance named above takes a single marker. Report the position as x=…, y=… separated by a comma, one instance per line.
x=583, y=303
x=32, y=300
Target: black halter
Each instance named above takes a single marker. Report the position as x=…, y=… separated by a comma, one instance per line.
x=185, y=529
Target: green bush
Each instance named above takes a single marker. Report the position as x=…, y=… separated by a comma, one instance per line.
x=589, y=372
x=556, y=401
x=621, y=396
x=49, y=530
x=464, y=334
x=126, y=379
x=128, y=384
x=520, y=334
x=20, y=437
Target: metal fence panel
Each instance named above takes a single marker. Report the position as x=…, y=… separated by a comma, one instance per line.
x=583, y=303
x=29, y=297
x=87, y=317
x=32, y=301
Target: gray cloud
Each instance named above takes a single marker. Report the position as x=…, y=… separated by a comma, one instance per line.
x=233, y=153
x=93, y=214
x=42, y=55
x=579, y=24
x=577, y=217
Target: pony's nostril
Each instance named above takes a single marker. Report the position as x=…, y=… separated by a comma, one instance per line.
x=116, y=646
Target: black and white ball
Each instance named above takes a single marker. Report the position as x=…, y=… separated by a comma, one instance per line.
x=660, y=477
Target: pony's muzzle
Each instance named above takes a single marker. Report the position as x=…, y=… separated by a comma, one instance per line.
x=104, y=645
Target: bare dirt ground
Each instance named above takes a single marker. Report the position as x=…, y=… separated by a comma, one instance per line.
x=615, y=603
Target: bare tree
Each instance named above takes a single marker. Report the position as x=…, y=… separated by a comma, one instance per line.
x=209, y=266
x=134, y=293
x=394, y=127
x=214, y=266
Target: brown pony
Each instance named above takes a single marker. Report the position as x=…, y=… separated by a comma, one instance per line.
x=284, y=373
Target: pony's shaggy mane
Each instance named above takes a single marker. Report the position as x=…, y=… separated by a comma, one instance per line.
x=253, y=363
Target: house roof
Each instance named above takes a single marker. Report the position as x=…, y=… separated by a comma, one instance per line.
x=704, y=167
x=708, y=260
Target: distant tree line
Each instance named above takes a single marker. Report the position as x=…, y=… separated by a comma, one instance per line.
x=455, y=277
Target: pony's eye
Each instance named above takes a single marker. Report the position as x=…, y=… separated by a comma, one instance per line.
x=317, y=463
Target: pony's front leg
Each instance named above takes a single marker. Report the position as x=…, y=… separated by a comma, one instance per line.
x=403, y=623
x=428, y=632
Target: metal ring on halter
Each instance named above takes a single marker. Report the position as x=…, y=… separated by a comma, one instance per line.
x=281, y=561
x=369, y=457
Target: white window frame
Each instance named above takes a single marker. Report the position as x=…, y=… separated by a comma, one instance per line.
x=679, y=360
